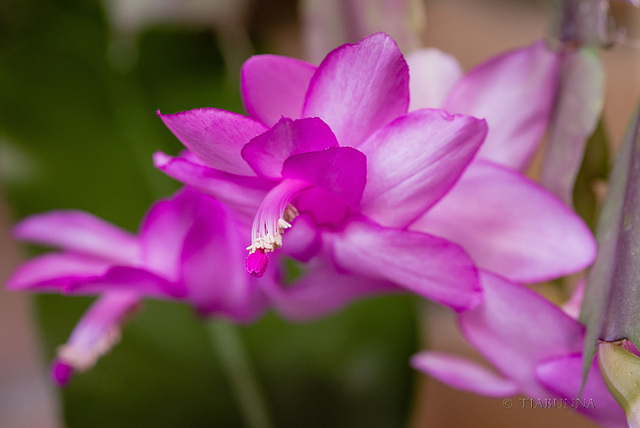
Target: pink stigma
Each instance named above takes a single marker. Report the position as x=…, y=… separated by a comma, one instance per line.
x=61, y=372
x=256, y=263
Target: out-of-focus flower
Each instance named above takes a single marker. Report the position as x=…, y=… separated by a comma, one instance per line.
x=536, y=348
x=183, y=246
x=360, y=169
x=514, y=92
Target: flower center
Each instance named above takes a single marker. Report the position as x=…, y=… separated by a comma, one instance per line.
x=273, y=217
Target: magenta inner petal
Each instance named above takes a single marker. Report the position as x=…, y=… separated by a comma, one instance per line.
x=267, y=152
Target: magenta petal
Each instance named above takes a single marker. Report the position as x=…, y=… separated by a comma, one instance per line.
x=515, y=93
x=56, y=272
x=267, y=152
x=432, y=75
x=428, y=266
x=414, y=161
x=164, y=229
x=463, y=374
x=125, y=278
x=322, y=290
x=563, y=376
x=341, y=171
x=516, y=329
x=212, y=263
x=80, y=232
x=97, y=331
x=275, y=86
x=215, y=136
x=511, y=225
x=243, y=194
x=359, y=88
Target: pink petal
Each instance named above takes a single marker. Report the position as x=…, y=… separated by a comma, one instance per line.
x=215, y=136
x=414, y=161
x=510, y=225
x=359, y=88
x=267, y=152
x=563, y=376
x=164, y=229
x=516, y=329
x=463, y=374
x=321, y=290
x=56, y=272
x=80, y=232
x=131, y=279
x=341, y=171
x=96, y=333
x=324, y=209
x=212, y=265
x=515, y=93
x=428, y=266
x=243, y=194
x=275, y=86
x=432, y=75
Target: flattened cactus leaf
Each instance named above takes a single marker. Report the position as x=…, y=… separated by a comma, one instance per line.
x=621, y=373
x=578, y=108
x=611, y=300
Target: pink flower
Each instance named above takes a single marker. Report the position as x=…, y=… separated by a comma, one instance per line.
x=183, y=245
x=372, y=183
x=536, y=349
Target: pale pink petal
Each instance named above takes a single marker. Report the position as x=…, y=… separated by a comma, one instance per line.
x=243, y=194
x=96, y=333
x=572, y=306
x=267, y=152
x=510, y=225
x=359, y=88
x=563, y=376
x=274, y=87
x=432, y=75
x=341, y=171
x=414, y=161
x=215, y=136
x=516, y=329
x=515, y=93
x=321, y=290
x=461, y=373
x=80, y=232
x=428, y=266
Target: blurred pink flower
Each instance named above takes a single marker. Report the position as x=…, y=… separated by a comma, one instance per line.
x=183, y=245
x=536, y=349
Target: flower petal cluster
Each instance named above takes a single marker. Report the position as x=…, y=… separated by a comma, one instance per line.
x=376, y=182
x=183, y=244
x=347, y=158
x=535, y=347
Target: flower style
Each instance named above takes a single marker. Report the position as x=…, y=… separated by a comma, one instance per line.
x=338, y=145
x=183, y=245
x=534, y=345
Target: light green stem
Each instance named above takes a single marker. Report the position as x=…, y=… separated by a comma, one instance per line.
x=227, y=344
